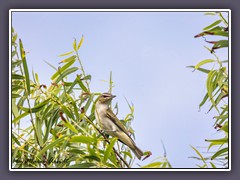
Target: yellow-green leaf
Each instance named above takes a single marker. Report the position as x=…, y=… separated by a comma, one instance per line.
x=80, y=43
x=109, y=149
x=25, y=67
x=66, y=54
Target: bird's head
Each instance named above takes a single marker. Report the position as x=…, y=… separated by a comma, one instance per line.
x=106, y=98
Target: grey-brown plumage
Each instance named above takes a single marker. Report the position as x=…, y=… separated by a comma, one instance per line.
x=111, y=125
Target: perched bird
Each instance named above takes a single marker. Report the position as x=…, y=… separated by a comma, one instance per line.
x=111, y=125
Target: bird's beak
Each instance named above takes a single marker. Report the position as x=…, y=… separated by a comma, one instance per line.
x=113, y=96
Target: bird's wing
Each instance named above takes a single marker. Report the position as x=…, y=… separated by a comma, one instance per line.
x=116, y=121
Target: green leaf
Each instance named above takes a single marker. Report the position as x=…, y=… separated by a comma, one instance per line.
x=69, y=59
x=88, y=77
x=14, y=37
x=39, y=131
x=80, y=83
x=109, y=149
x=66, y=54
x=153, y=165
x=14, y=155
x=225, y=127
x=72, y=85
x=90, y=99
x=127, y=154
x=212, y=25
x=210, y=13
x=92, y=157
x=82, y=165
x=211, y=86
x=15, y=140
x=223, y=140
x=75, y=45
x=80, y=43
x=50, y=123
x=213, y=165
x=200, y=69
x=35, y=108
x=20, y=117
x=14, y=108
x=199, y=154
x=15, y=95
x=219, y=153
x=204, y=100
x=65, y=73
x=70, y=126
x=204, y=62
x=76, y=151
x=25, y=67
x=50, y=146
x=67, y=112
x=16, y=87
x=220, y=44
x=36, y=77
x=63, y=68
x=83, y=139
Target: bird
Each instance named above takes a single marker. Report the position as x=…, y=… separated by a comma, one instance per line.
x=111, y=125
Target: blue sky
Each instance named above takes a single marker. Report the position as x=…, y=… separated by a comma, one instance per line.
x=147, y=53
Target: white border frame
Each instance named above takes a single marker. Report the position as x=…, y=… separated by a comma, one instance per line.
x=118, y=10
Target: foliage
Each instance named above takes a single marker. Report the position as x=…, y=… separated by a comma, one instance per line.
x=63, y=132
x=217, y=92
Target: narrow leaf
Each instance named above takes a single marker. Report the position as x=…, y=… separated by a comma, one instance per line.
x=212, y=25
x=109, y=149
x=50, y=146
x=36, y=108
x=25, y=67
x=83, y=139
x=204, y=62
x=63, y=68
x=65, y=73
x=80, y=43
x=66, y=54
x=219, y=153
x=19, y=117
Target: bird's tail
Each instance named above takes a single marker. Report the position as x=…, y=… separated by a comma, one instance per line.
x=138, y=152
